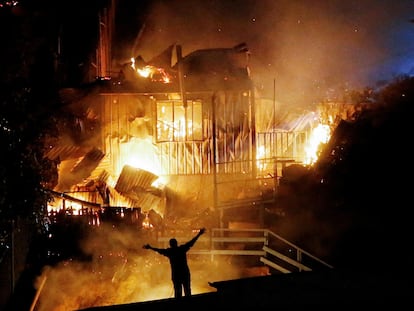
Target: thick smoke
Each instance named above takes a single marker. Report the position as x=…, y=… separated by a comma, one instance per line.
x=307, y=49
x=120, y=271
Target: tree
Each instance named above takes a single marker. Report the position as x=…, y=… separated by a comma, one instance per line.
x=28, y=99
x=353, y=201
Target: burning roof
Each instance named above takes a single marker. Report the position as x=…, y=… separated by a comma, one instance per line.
x=201, y=70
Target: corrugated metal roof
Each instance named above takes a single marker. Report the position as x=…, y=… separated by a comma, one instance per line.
x=135, y=184
x=132, y=179
x=89, y=162
x=67, y=152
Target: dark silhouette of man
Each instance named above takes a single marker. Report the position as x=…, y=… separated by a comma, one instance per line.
x=177, y=255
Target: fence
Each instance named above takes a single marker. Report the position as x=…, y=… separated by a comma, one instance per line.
x=270, y=248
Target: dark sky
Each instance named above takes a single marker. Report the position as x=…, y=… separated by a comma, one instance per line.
x=308, y=48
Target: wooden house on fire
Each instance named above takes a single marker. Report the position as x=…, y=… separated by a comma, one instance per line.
x=186, y=141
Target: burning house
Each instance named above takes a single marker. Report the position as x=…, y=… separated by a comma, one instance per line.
x=179, y=141
x=185, y=137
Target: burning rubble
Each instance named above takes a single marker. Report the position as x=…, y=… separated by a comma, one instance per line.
x=146, y=146
x=154, y=160
x=132, y=143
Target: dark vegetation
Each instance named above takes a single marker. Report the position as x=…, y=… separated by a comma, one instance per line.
x=353, y=204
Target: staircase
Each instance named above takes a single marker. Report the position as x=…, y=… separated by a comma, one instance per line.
x=272, y=250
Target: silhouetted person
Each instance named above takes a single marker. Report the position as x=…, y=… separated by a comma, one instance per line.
x=180, y=272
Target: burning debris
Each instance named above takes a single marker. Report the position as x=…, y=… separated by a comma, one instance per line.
x=151, y=144
x=174, y=153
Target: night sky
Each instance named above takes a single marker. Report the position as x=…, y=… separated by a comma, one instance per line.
x=309, y=49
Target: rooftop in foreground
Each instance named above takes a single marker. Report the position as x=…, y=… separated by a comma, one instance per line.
x=334, y=288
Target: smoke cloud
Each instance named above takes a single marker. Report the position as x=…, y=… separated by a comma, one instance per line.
x=306, y=49
x=120, y=271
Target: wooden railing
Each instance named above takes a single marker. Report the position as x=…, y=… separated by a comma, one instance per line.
x=270, y=248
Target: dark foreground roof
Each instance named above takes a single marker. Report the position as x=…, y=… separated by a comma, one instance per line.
x=327, y=288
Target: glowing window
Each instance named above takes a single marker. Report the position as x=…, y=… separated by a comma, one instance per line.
x=175, y=123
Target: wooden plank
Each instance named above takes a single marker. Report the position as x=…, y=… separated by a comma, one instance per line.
x=239, y=239
x=219, y=239
x=274, y=265
x=228, y=252
x=286, y=259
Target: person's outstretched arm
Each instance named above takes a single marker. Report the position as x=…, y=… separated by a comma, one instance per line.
x=147, y=246
x=158, y=250
x=193, y=240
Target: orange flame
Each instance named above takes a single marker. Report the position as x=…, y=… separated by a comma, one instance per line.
x=319, y=135
x=151, y=72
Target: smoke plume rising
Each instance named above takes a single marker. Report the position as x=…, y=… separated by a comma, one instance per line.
x=308, y=50
x=120, y=271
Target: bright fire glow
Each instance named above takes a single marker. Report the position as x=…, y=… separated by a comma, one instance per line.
x=140, y=153
x=146, y=223
x=319, y=135
x=176, y=123
x=136, y=152
x=55, y=208
x=145, y=72
x=260, y=155
x=151, y=72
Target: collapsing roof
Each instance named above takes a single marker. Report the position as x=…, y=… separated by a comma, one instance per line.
x=136, y=185
x=201, y=70
x=205, y=70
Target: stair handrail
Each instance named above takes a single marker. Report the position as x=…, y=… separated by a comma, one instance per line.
x=299, y=251
x=266, y=252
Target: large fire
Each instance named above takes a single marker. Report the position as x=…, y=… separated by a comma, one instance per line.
x=151, y=72
x=319, y=135
x=124, y=273
x=119, y=272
